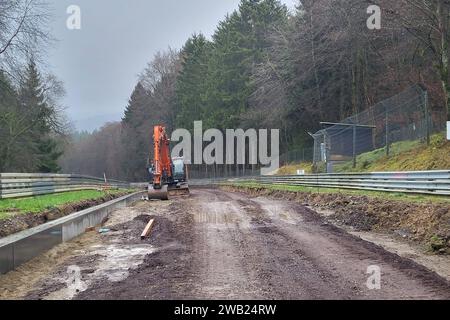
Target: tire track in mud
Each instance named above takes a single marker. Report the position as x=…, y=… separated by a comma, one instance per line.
x=218, y=259
x=306, y=258
x=346, y=258
x=276, y=263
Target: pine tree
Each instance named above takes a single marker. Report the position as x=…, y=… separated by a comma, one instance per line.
x=48, y=155
x=239, y=44
x=192, y=82
x=136, y=136
x=8, y=121
x=135, y=111
x=41, y=149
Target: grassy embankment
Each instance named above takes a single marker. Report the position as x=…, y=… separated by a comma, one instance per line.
x=375, y=194
x=37, y=204
x=405, y=156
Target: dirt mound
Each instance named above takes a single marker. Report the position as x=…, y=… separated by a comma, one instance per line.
x=24, y=221
x=162, y=273
x=160, y=234
x=426, y=223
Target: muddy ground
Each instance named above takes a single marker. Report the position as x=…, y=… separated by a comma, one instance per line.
x=427, y=224
x=220, y=245
x=23, y=221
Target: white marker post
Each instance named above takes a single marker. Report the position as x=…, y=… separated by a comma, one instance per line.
x=448, y=130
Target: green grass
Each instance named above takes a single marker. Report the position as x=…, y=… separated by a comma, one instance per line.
x=404, y=156
x=377, y=194
x=45, y=202
x=291, y=169
x=366, y=160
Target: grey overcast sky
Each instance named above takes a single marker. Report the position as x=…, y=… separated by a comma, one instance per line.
x=99, y=64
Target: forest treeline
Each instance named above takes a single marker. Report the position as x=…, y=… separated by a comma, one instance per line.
x=33, y=127
x=268, y=67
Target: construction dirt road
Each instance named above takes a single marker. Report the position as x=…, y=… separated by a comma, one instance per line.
x=220, y=245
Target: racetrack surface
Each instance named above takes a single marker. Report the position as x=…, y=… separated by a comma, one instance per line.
x=222, y=245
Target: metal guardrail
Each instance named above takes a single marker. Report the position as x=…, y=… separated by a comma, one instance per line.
x=16, y=185
x=419, y=182
x=21, y=247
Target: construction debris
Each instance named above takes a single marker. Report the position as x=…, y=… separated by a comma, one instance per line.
x=147, y=229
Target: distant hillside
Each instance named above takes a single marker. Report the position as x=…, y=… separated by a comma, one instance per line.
x=96, y=122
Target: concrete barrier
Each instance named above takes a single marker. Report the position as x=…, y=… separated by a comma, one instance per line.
x=24, y=246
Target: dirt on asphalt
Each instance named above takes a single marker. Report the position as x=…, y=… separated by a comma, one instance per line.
x=427, y=223
x=220, y=245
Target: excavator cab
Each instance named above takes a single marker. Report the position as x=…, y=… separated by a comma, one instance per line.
x=179, y=170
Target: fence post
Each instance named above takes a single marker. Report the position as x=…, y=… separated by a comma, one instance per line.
x=354, y=146
x=388, y=147
x=327, y=147
x=427, y=118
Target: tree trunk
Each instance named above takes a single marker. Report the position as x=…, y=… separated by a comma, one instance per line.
x=444, y=76
x=442, y=14
x=342, y=111
x=313, y=57
x=354, y=90
x=446, y=89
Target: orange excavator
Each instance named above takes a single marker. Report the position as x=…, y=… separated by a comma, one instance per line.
x=166, y=174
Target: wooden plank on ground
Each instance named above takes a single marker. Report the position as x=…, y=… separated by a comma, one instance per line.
x=147, y=229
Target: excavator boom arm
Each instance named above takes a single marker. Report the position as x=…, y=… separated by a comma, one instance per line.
x=162, y=161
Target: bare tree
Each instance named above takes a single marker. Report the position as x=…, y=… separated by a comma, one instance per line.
x=159, y=78
x=23, y=30
x=429, y=22
x=54, y=91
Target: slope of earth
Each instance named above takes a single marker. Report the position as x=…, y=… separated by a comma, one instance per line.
x=405, y=156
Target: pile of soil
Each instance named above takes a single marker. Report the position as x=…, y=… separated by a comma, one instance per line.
x=163, y=272
x=24, y=221
x=425, y=223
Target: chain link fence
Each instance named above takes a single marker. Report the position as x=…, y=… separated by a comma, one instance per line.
x=405, y=116
x=297, y=156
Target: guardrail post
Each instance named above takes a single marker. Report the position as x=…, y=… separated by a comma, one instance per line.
x=427, y=118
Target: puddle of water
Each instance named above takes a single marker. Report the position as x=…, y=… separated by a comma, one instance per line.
x=118, y=260
x=114, y=264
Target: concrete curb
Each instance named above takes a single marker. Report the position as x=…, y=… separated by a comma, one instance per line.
x=24, y=246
